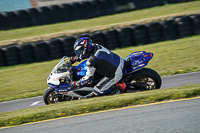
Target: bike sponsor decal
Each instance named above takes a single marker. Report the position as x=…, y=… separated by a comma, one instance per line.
x=64, y=93
x=65, y=73
x=138, y=66
x=137, y=53
x=62, y=90
x=137, y=62
x=56, y=79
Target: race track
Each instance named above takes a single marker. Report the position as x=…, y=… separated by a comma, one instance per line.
x=167, y=117
x=167, y=82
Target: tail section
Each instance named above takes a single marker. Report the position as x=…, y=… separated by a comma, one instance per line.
x=137, y=60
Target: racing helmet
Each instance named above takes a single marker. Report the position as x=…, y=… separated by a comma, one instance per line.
x=83, y=47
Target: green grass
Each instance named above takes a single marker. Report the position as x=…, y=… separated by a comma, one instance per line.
x=96, y=104
x=170, y=57
x=121, y=18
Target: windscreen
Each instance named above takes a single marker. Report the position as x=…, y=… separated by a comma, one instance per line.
x=63, y=66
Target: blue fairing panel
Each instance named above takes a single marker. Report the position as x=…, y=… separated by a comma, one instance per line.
x=138, y=60
x=81, y=69
x=63, y=87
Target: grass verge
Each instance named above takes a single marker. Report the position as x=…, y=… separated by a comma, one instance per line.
x=96, y=104
x=45, y=32
x=170, y=57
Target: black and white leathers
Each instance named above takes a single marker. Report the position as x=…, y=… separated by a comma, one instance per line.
x=103, y=62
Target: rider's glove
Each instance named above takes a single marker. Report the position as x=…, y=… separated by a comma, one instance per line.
x=74, y=59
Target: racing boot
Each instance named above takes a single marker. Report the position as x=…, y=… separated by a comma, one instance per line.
x=118, y=88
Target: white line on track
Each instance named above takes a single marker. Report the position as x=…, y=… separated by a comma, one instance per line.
x=35, y=103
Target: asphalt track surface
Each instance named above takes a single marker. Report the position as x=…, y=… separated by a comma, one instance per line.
x=178, y=116
x=167, y=82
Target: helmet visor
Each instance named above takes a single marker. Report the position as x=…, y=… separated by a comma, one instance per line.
x=79, y=51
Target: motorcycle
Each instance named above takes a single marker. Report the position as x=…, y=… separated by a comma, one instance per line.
x=135, y=78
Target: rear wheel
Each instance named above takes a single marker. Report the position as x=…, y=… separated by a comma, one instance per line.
x=144, y=79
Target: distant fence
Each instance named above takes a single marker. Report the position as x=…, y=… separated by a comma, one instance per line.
x=171, y=29
x=73, y=11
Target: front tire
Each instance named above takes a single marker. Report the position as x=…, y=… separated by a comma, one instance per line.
x=50, y=96
x=144, y=79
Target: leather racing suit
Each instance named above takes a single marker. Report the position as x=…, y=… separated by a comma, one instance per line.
x=103, y=62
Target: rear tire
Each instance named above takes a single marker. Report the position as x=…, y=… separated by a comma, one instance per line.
x=144, y=79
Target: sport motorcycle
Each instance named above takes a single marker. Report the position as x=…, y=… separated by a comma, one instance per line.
x=136, y=77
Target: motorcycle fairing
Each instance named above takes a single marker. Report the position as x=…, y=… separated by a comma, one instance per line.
x=137, y=60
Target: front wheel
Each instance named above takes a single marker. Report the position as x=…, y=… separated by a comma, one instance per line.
x=144, y=79
x=50, y=96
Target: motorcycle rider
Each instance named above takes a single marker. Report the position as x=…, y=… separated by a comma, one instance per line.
x=101, y=61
